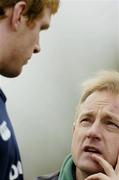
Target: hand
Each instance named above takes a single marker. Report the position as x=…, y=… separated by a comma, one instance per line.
x=110, y=173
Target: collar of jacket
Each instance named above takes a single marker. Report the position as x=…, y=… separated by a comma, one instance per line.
x=68, y=169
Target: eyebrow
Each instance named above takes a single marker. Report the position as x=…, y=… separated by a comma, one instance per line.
x=88, y=113
x=110, y=114
x=104, y=114
x=45, y=26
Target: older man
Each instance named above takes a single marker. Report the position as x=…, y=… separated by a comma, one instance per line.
x=95, y=143
x=20, y=24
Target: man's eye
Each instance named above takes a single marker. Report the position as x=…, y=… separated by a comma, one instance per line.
x=112, y=125
x=86, y=122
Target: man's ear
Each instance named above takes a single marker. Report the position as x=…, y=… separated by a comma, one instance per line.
x=17, y=14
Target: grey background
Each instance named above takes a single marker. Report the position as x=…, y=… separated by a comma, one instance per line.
x=83, y=38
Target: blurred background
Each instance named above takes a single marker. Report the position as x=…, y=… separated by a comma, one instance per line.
x=83, y=38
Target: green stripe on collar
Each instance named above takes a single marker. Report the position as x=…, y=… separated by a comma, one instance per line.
x=67, y=171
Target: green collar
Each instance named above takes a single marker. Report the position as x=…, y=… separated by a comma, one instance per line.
x=67, y=171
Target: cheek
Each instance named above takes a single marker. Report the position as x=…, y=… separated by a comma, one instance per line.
x=113, y=145
x=34, y=38
x=76, y=148
x=77, y=140
x=113, y=151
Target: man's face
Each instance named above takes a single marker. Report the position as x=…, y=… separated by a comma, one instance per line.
x=22, y=44
x=96, y=132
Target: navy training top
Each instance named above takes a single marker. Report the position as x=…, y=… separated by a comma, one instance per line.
x=10, y=161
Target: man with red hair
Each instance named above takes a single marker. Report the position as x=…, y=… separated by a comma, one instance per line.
x=20, y=24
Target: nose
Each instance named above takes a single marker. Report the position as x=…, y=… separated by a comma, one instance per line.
x=36, y=48
x=94, y=131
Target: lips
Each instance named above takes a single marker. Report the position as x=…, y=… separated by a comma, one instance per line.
x=92, y=149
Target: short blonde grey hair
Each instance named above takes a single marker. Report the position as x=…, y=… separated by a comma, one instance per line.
x=103, y=81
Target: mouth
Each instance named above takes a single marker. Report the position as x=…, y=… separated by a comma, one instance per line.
x=92, y=149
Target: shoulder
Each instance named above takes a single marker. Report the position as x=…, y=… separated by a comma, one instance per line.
x=53, y=176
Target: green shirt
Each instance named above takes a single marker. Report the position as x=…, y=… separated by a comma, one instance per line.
x=68, y=169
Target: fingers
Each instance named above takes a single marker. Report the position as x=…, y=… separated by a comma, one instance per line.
x=108, y=169
x=98, y=176
x=117, y=167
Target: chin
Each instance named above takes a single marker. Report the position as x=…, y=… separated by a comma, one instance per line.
x=11, y=74
x=90, y=170
x=89, y=166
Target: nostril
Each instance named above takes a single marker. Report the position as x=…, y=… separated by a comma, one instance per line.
x=37, y=49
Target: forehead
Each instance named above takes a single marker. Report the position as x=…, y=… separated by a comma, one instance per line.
x=101, y=100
